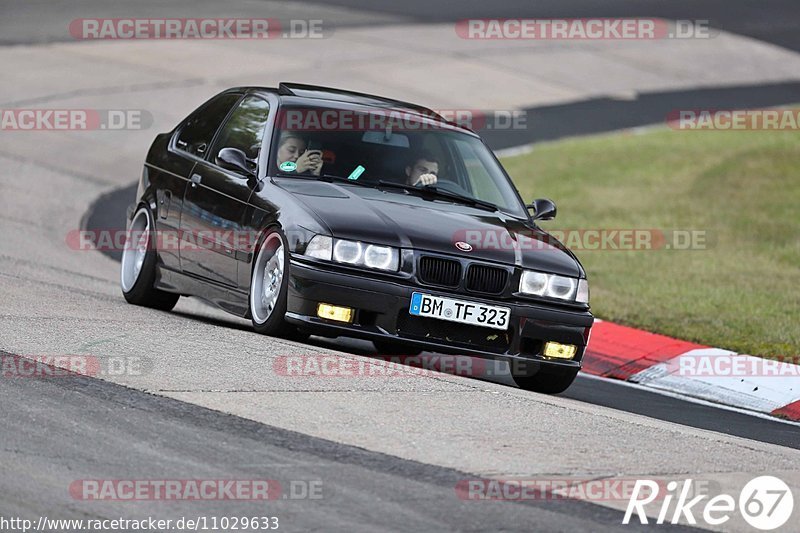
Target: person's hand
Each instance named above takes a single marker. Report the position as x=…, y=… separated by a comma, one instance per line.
x=310, y=161
x=425, y=179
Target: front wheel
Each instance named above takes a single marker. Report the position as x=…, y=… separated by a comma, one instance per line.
x=269, y=287
x=138, y=266
x=547, y=381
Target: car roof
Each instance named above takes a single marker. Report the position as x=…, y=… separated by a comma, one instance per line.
x=298, y=93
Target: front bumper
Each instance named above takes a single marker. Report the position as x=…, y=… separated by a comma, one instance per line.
x=382, y=313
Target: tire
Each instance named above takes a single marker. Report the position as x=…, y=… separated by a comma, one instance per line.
x=269, y=286
x=138, y=266
x=384, y=347
x=549, y=381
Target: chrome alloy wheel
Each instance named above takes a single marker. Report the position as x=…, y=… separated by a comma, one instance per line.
x=135, y=250
x=267, y=279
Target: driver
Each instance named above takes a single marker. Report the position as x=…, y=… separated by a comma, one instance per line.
x=423, y=170
x=292, y=149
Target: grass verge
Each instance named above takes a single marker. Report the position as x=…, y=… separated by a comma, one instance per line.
x=742, y=188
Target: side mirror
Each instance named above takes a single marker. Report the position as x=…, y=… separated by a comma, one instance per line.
x=543, y=209
x=235, y=160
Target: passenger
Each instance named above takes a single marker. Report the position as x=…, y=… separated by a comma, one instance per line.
x=292, y=148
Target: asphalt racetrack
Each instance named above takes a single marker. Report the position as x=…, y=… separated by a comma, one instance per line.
x=202, y=398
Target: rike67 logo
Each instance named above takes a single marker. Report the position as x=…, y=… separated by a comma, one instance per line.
x=766, y=503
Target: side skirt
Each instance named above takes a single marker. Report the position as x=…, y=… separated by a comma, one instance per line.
x=226, y=298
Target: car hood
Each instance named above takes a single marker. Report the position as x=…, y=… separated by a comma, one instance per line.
x=395, y=218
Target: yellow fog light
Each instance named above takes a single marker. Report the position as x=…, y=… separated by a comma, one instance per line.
x=333, y=312
x=560, y=351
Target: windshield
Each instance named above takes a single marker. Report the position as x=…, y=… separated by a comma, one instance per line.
x=380, y=148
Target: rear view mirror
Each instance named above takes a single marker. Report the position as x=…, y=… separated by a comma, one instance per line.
x=235, y=160
x=386, y=138
x=543, y=209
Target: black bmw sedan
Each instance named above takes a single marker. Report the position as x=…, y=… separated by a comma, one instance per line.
x=319, y=211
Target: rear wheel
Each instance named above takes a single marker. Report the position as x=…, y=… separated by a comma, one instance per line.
x=269, y=287
x=547, y=381
x=138, y=266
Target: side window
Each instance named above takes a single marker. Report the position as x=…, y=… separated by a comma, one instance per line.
x=244, y=130
x=196, y=134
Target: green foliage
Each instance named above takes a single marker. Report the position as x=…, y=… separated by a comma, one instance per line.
x=741, y=187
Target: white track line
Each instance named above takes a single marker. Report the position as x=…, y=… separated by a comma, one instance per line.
x=691, y=399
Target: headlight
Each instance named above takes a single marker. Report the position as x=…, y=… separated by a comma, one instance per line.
x=348, y=252
x=320, y=247
x=354, y=253
x=553, y=286
x=561, y=287
x=533, y=283
x=381, y=257
x=583, y=292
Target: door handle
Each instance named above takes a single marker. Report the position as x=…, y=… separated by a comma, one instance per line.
x=196, y=179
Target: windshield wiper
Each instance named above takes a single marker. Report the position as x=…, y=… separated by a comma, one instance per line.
x=430, y=190
x=330, y=178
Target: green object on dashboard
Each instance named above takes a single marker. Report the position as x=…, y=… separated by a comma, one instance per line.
x=354, y=175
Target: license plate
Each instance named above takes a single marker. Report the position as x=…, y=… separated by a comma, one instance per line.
x=476, y=314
